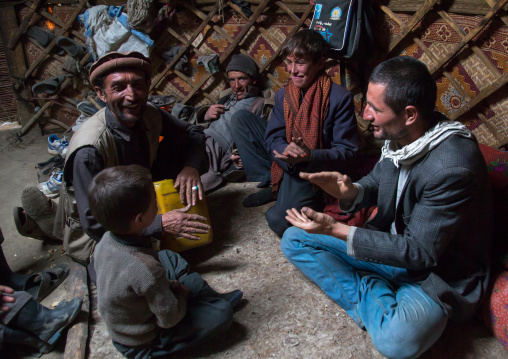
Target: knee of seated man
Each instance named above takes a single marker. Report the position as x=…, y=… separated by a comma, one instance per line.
x=400, y=346
x=241, y=117
x=291, y=239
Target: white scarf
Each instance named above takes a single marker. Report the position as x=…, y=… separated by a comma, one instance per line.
x=415, y=150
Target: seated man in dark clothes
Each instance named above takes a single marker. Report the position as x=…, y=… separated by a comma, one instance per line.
x=128, y=131
x=312, y=128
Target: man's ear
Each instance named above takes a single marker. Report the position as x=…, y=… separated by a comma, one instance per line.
x=100, y=93
x=411, y=115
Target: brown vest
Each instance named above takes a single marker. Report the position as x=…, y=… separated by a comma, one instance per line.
x=93, y=133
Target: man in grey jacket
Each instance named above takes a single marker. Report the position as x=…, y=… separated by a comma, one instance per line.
x=242, y=77
x=424, y=257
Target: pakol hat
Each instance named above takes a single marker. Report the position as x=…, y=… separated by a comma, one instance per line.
x=112, y=61
x=243, y=63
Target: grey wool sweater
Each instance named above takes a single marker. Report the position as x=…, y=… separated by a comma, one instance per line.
x=134, y=296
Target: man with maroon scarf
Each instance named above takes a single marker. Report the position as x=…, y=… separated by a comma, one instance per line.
x=312, y=128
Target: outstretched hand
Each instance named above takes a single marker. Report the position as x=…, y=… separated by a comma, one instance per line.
x=188, y=183
x=311, y=221
x=334, y=183
x=181, y=224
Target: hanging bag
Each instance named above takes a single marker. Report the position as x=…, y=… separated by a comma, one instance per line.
x=333, y=20
x=346, y=25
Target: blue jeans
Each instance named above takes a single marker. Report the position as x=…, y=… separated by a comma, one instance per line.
x=401, y=319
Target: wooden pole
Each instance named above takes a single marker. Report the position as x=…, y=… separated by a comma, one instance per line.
x=77, y=336
x=16, y=63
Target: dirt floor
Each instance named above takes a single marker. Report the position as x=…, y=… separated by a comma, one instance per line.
x=283, y=314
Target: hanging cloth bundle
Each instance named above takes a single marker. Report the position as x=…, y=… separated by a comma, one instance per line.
x=141, y=14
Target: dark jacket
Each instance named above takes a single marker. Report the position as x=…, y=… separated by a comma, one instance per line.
x=443, y=221
x=340, y=134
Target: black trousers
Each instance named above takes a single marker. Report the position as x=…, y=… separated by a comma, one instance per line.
x=248, y=132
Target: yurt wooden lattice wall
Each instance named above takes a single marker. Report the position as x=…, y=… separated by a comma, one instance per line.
x=464, y=43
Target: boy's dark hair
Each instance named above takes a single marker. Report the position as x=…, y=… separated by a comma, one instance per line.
x=306, y=43
x=408, y=83
x=117, y=194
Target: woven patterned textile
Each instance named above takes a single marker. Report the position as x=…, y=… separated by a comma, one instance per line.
x=469, y=76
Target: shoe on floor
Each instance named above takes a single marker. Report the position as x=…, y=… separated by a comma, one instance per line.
x=46, y=169
x=51, y=188
x=38, y=208
x=57, y=146
x=259, y=198
x=26, y=226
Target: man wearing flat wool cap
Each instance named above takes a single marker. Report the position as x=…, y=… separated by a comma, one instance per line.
x=126, y=132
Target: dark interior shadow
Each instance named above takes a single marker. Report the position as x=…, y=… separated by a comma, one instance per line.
x=234, y=335
x=224, y=266
x=457, y=340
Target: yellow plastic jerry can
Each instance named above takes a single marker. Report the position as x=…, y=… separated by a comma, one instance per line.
x=168, y=199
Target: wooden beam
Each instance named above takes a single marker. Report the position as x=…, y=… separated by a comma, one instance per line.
x=468, y=7
x=189, y=42
x=21, y=29
x=63, y=30
x=471, y=7
x=464, y=41
x=50, y=103
x=15, y=59
x=287, y=10
x=481, y=55
x=417, y=17
x=77, y=336
x=58, y=22
x=299, y=24
x=484, y=93
x=232, y=46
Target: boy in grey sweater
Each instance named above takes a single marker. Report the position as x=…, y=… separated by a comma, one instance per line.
x=152, y=305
